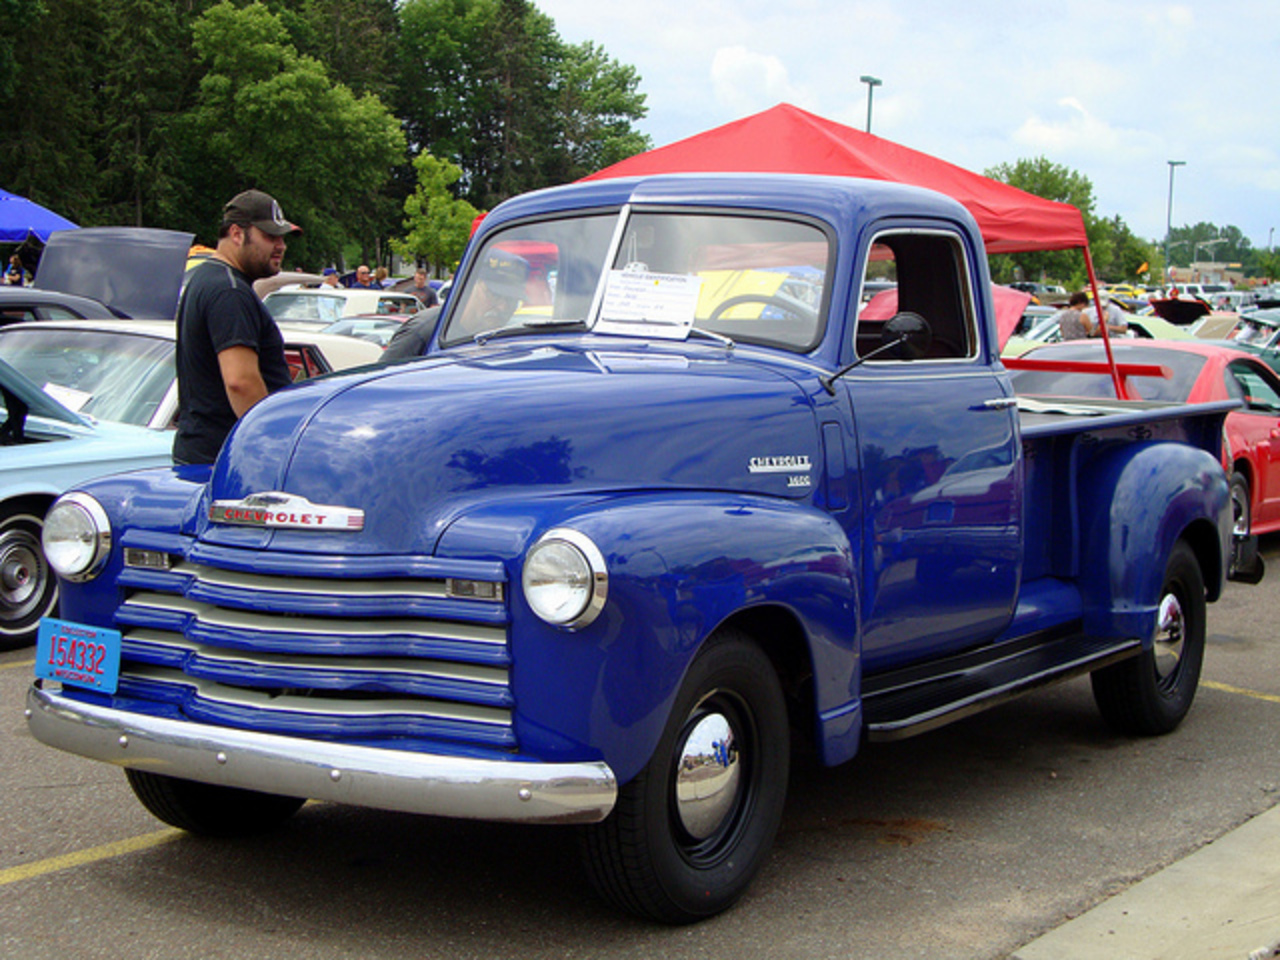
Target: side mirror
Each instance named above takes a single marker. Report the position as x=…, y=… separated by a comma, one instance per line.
x=909, y=333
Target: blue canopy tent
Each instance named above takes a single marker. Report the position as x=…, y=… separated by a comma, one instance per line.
x=19, y=218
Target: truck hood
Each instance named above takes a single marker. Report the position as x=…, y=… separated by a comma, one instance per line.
x=414, y=446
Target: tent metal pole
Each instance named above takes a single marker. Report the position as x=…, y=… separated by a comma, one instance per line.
x=1121, y=393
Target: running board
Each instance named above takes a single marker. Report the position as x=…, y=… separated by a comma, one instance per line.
x=902, y=703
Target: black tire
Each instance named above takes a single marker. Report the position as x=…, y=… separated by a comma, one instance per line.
x=1151, y=693
x=209, y=810
x=28, y=587
x=681, y=861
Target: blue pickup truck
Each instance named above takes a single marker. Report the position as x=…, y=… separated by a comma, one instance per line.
x=666, y=491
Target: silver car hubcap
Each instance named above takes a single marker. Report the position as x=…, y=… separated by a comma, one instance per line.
x=708, y=776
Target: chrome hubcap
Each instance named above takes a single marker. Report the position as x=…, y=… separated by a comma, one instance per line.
x=1170, y=632
x=20, y=566
x=708, y=776
x=1239, y=512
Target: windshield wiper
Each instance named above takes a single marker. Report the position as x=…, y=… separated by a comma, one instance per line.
x=531, y=326
x=712, y=335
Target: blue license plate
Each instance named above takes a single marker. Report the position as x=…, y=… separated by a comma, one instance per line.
x=78, y=655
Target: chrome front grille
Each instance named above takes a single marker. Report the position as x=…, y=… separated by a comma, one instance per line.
x=358, y=658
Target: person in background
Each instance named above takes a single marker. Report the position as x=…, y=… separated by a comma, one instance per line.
x=1117, y=325
x=230, y=353
x=422, y=290
x=15, y=276
x=490, y=304
x=1072, y=324
x=381, y=280
x=330, y=277
x=363, y=278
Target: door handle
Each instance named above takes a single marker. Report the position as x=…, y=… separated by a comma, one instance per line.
x=1000, y=403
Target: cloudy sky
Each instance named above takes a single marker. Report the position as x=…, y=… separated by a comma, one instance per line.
x=1111, y=88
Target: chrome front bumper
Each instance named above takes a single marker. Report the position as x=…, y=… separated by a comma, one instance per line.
x=443, y=786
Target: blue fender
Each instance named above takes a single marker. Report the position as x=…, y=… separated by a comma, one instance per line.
x=680, y=565
x=1137, y=501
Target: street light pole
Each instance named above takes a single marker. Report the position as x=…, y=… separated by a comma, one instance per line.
x=1168, y=224
x=872, y=83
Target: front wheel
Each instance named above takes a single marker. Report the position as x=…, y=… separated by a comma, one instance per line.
x=1241, y=506
x=28, y=588
x=1151, y=693
x=692, y=829
x=207, y=809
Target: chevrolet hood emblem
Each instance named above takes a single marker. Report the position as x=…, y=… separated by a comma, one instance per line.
x=275, y=509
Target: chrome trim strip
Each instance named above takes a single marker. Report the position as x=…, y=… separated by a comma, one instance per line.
x=506, y=790
x=338, y=665
x=336, y=587
x=317, y=704
x=208, y=615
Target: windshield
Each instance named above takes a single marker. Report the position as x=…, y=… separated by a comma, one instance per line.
x=747, y=277
x=315, y=307
x=1183, y=368
x=111, y=376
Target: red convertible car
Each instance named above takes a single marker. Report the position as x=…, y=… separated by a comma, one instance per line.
x=1197, y=371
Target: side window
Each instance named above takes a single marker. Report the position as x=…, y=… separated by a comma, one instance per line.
x=923, y=273
x=1251, y=384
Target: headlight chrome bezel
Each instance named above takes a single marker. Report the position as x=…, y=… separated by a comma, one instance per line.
x=96, y=536
x=594, y=590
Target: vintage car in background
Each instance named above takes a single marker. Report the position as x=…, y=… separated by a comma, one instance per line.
x=18, y=304
x=49, y=448
x=375, y=329
x=324, y=305
x=1198, y=372
x=1046, y=330
x=1258, y=332
x=106, y=390
x=123, y=370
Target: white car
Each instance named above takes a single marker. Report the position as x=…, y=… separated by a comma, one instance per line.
x=324, y=305
x=122, y=370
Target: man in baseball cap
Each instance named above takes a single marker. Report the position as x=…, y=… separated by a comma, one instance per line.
x=230, y=353
x=255, y=208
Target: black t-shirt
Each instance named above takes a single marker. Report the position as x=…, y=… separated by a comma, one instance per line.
x=413, y=336
x=218, y=310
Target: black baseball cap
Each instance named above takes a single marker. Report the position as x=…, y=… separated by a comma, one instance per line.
x=259, y=209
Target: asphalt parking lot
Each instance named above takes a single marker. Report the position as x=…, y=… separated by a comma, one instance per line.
x=965, y=843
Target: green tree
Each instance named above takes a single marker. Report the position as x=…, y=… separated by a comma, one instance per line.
x=489, y=86
x=269, y=117
x=1051, y=181
x=144, y=86
x=598, y=100
x=438, y=225
x=22, y=16
x=1128, y=253
x=49, y=126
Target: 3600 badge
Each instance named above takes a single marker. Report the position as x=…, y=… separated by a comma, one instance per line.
x=78, y=654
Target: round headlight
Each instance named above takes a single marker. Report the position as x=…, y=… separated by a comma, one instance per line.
x=565, y=581
x=76, y=537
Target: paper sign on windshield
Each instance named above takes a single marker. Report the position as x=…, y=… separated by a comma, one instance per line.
x=642, y=304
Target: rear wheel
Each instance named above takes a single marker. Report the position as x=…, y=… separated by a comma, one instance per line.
x=210, y=810
x=1152, y=692
x=691, y=830
x=28, y=588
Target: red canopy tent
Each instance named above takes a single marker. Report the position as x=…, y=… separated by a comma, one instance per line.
x=786, y=139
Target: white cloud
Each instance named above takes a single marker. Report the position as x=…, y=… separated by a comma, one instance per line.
x=1110, y=90
x=745, y=81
